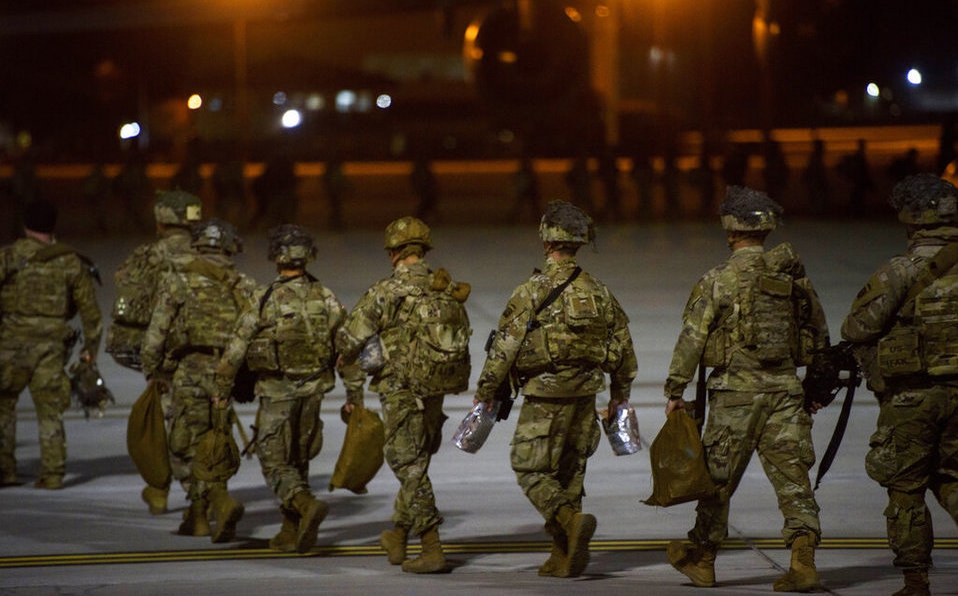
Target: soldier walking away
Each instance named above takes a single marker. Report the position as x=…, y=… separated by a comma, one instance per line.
x=855, y=168
x=137, y=283
x=196, y=308
x=399, y=312
x=560, y=354
x=286, y=336
x=43, y=285
x=912, y=300
x=424, y=184
x=754, y=319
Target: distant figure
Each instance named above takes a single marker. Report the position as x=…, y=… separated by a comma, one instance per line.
x=855, y=168
x=704, y=180
x=735, y=165
x=579, y=180
x=229, y=187
x=133, y=187
x=815, y=178
x=776, y=169
x=275, y=192
x=424, y=184
x=96, y=193
x=608, y=173
x=526, y=190
x=336, y=187
x=187, y=177
x=643, y=175
x=904, y=166
x=946, y=143
x=670, y=181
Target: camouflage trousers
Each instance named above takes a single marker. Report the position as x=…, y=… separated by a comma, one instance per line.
x=915, y=449
x=776, y=426
x=413, y=433
x=554, y=439
x=189, y=417
x=39, y=367
x=289, y=433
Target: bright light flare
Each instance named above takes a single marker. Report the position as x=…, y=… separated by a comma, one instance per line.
x=384, y=101
x=130, y=130
x=195, y=102
x=872, y=90
x=292, y=118
x=914, y=76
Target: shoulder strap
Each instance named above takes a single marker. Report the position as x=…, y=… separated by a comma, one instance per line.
x=939, y=265
x=551, y=297
x=272, y=286
x=58, y=249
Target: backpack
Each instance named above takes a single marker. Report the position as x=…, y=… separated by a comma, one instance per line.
x=437, y=360
x=299, y=341
x=207, y=316
x=936, y=317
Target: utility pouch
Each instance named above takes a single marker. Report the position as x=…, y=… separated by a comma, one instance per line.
x=899, y=353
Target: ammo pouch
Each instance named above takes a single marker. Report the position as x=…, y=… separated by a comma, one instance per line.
x=261, y=355
x=899, y=353
x=533, y=357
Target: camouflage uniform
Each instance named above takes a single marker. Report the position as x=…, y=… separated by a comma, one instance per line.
x=167, y=351
x=586, y=336
x=755, y=404
x=289, y=432
x=915, y=447
x=38, y=296
x=412, y=422
x=137, y=281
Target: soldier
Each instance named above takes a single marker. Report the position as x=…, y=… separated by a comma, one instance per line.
x=411, y=395
x=754, y=319
x=560, y=354
x=136, y=286
x=286, y=337
x=196, y=308
x=43, y=284
x=914, y=448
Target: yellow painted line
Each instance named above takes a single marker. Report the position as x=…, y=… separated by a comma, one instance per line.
x=450, y=548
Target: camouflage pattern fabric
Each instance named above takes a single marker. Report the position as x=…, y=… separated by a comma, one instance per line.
x=776, y=426
x=191, y=369
x=579, y=350
x=37, y=299
x=754, y=405
x=412, y=423
x=916, y=441
x=289, y=430
x=554, y=439
x=713, y=308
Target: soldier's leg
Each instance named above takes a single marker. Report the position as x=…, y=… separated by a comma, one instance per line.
x=276, y=446
x=945, y=478
x=8, y=439
x=50, y=389
x=310, y=433
x=537, y=448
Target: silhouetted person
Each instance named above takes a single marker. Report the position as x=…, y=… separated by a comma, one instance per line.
x=855, y=168
x=904, y=166
x=134, y=188
x=704, y=180
x=579, y=180
x=336, y=187
x=735, y=165
x=815, y=178
x=608, y=173
x=275, y=192
x=229, y=186
x=643, y=176
x=424, y=184
x=96, y=193
x=526, y=188
x=670, y=183
x=776, y=170
x=946, y=143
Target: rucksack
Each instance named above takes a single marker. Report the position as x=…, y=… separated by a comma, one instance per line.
x=437, y=360
x=207, y=316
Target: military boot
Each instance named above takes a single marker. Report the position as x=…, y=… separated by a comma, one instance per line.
x=49, y=482
x=558, y=558
x=579, y=528
x=394, y=543
x=194, y=520
x=916, y=583
x=9, y=479
x=227, y=512
x=285, y=539
x=432, y=559
x=155, y=498
x=695, y=561
x=312, y=512
x=802, y=575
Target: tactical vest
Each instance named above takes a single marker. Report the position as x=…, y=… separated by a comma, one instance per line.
x=207, y=316
x=764, y=320
x=296, y=339
x=429, y=344
x=924, y=338
x=39, y=287
x=570, y=331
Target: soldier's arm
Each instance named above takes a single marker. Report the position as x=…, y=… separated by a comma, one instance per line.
x=696, y=321
x=361, y=324
x=247, y=325
x=625, y=364
x=874, y=308
x=84, y=296
x=153, y=350
x=352, y=377
x=505, y=345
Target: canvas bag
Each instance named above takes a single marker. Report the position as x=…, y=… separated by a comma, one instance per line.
x=146, y=439
x=362, y=452
x=679, y=473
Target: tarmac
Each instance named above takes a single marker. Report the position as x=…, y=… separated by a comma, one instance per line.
x=96, y=536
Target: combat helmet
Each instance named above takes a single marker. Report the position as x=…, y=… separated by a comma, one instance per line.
x=177, y=208
x=748, y=210
x=216, y=234
x=925, y=199
x=564, y=222
x=290, y=244
x=407, y=230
